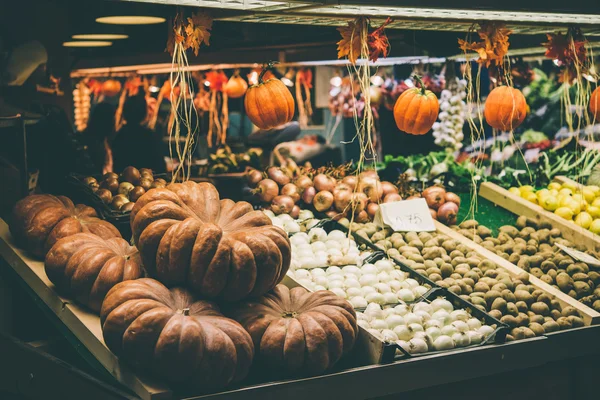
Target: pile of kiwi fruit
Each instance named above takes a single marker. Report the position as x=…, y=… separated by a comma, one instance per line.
x=121, y=191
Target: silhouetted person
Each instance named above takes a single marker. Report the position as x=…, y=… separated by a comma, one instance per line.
x=135, y=144
x=97, y=136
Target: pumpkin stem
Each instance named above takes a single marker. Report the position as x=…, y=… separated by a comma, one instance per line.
x=185, y=311
x=266, y=67
x=420, y=82
x=289, y=314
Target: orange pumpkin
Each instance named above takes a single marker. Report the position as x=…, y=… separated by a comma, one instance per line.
x=111, y=88
x=595, y=104
x=236, y=87
x=505, y=108
x=269, y=104
x=416, y=110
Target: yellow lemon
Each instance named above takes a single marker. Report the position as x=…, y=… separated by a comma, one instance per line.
x=542, y=193
x=574, y=206
x=595, y=226
x=595, y=189
x=578, y=198
x=564, y=200
x=554, y=186
x=565, y=191
x=526, y=188
x=570, y=185
x=596, y=202
x=530, y=197
x=584, y=220
x=588, y=194
x=550, y=203
x=515, y=191
x=594, y=211
x=564, y=212
x=553, y=192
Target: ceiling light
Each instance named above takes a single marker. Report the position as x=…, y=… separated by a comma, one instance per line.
x=377, y=80
x=154, y=89
x=130, y=20
x=287, y=82
x=88, y=43
x=100, y=36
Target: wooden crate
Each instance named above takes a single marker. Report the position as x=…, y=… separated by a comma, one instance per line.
x=520, y=206
x=84, y=324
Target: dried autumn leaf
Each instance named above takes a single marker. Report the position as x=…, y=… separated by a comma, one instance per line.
x=350, y=45
x=493, y=46
x=378, y=42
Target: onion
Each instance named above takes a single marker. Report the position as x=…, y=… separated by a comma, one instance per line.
x=334, y=215
x=392, y=197
x=266, y=190
x=278, y=175
x=372, y=188
x=414, y=196
x=452, y=197
x=434, y=214
x=351, y=181
x=308, y=194
x=323, y=201
x=253, y=176
x=303, y=182
x=447, y=213
x=341, y=199
x=372, y=209
x=435, y=199
x=362, y=217
x=341, y=187
x=369, y=173
x=282, y=204
x=323, y=182
x=295, y=213
x=433, y=189
x=388, y=188
x=291, y=190
x=359, y=202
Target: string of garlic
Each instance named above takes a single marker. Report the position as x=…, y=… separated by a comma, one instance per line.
x=448, y=131
x=82, y=103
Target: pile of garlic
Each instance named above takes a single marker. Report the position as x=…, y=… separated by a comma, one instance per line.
x=305, y=221
x=423, y=326
x=82, y=103
x=448, y=132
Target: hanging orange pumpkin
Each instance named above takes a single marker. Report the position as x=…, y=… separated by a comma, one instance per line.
x=236, y=87
x=269, y=104
x=595, y=104
x=505, y=108
x=416, y=110
x=111, y=88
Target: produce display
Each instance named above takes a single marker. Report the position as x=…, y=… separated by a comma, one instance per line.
x=174, y=335
x=295, y=330
x=120, y=192
x=424, y=326
x=86, y=267
x=526, y=310
x=39, y=221
x=282, y=193
x=218, y=248
x=532, y=247
x=570, y=201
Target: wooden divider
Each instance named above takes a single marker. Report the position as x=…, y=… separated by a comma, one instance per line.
x=520, y=206
x=590, y=317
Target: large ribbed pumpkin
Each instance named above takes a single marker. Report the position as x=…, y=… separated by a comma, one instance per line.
x=416, y=110
x=505, y=108
x=294, y=330
x=39, y=220
x=174, y=336
x=595, y=104
x=269, y=104
x=86, y=267
x=218, y=248
x=236, y=87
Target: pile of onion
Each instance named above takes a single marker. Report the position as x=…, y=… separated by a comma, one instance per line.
x=443, y=205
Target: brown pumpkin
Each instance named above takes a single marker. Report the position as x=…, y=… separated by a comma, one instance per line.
x=219, y=248
x=269, y=104
x=40, y=220
x=173, y=335
x=111, y=87
x=86, y=267
x=236, y=87
x=505, y=108
x=416, y=110
x=595, y=104
x=298, y=331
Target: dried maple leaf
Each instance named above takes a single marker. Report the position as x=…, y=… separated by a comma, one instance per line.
x=493, y=46
x=350, y=46
x=378, y=42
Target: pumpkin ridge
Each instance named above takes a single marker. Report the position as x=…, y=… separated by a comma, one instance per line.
x=316, y=343
x=332, y=335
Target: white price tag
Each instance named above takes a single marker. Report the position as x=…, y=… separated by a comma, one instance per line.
x=406, y=216
x=580, y=256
